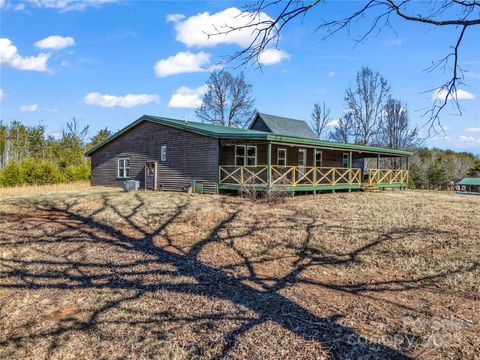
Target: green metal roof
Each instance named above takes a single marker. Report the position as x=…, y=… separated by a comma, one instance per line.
x=470, y=181
x=223, y=132
x=286, y=126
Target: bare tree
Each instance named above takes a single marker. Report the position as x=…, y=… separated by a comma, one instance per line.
x=459, y=15
x=320, y=119
x=228, y=101
x=395, y=131
x=73, y=132
x=342, y=130
x=365, y=101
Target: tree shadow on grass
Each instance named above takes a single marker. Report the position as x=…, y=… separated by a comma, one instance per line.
x=67, y=225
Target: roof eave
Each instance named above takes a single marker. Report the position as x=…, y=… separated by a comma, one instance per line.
x=340, y=146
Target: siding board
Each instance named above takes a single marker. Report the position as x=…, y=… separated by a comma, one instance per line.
x=189, y=156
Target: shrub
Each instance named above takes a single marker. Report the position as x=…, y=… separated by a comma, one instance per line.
x=77, y=172
x=12, y=175
x=41, y=172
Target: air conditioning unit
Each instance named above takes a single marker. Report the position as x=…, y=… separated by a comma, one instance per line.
x=131, y=185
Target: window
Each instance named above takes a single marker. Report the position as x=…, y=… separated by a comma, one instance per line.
x=123, y=167
x=318, y=158
x=239, y=155
x=251, y=156
x=245, y=155
x=302, y=158
x=282, y=157
x=150, y=168
x=346, y=160
x=163, y=153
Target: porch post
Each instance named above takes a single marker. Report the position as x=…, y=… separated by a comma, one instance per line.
x=378, y=161
x=314, y=169
x=401, y=163
x=350, y=164
x=269, y=166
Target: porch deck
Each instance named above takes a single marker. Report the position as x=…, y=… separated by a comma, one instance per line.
x=308, y=178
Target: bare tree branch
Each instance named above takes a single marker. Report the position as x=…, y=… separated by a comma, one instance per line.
x=266, y=30
x=228, y=101
x=320, y=119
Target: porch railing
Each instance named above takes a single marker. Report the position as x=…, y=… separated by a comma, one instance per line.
x=243, y=175
x=288, y=176
x=386, y=176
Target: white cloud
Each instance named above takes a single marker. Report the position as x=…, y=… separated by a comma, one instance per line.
x=175, y=17
x=467, y=141
x=2, y=3
x=68, y=5
x=272, y=56
x=19, y=7
x=333, y=123
x=127, y=101
x=183, y=62
x=195, y=30
x=9, y=56
x=396, y=42
x=474, y=129
x=460, y=94
x=331, y=74
x=186, y=98
x=2, y=94
x=29, y=108
x=55, y=42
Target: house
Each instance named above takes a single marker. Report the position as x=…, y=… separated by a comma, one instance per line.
x=273, y=153
x=470, y=186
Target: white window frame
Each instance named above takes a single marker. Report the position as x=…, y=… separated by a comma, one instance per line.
x=122, y=169
x=284, y=158
x=240, y=156
x=305, y=161
x=346, y=158
x=245, y=156
x=319, y=164
x=163, y=153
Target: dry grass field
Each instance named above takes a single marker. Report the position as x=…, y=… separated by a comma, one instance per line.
x=101, y=274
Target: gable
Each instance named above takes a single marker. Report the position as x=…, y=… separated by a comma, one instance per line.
x=282, y=126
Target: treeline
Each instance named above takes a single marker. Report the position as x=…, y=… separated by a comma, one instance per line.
x=375, y=118
x=437, y=169
x=28, y=156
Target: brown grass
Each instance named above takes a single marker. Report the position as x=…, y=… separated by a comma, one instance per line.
x=99, y=273
x=40, y=189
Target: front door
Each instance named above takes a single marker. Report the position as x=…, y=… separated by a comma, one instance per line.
x=151, y=175
x=302, y=163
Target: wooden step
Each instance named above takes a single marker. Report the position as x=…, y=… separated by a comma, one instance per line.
x=370, y=188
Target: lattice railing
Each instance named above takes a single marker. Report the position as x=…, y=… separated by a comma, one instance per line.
x=288, y=176
x=387, y=176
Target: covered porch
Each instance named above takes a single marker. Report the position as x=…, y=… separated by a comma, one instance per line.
x=277, y=166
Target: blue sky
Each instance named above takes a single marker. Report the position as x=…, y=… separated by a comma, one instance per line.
x=108, y=62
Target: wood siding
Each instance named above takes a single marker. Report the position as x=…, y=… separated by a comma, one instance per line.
x=330, y=158
x=189, y=156
x=259, y=124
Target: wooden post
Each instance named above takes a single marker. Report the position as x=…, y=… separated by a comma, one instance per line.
x=350, y=164
x=378, y=161
x=401, y=163
x=269, y=166
x=314, y=167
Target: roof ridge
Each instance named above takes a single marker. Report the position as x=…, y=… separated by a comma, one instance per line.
x=283, y=117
